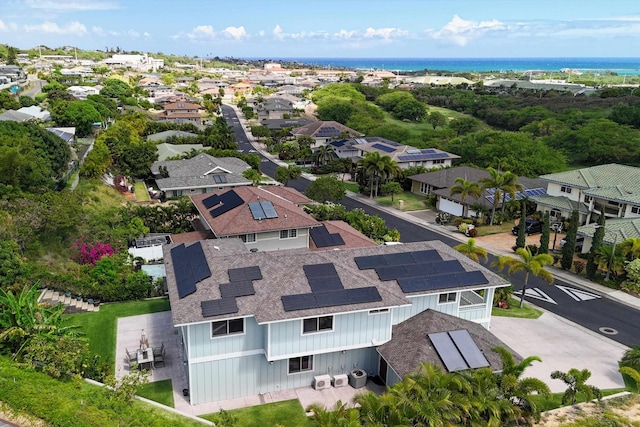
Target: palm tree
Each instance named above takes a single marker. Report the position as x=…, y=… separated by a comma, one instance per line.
x=495, y=181
x=529, y=264
x=510, y=186
x=630, y=248
x=324, y=154
x=466, y=188
x=472, y=251
x=488, y=406
x=576, y=382
x=377, y=168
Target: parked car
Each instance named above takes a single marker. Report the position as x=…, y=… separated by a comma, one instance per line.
x=556, y=227
x=579, y=243
x=531, y=227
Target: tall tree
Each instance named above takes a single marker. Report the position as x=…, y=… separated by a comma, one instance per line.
x=377, y=168
x=510, y=186
x=596, y=243
x=326, y=189
x=546, y=234
x=472, y=251
x=284, y=174
x=494, y=182
x=324, y=154
x=465, y=189
x=529, y=264
x=521, y=240
x=569, y=247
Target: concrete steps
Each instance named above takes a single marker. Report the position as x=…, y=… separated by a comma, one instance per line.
x=72, y=305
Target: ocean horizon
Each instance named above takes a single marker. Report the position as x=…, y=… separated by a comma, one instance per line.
x=621, y=66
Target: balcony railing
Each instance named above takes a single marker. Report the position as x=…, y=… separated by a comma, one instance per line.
x=470, y=298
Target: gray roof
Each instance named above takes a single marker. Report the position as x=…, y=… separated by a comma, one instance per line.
x=611, y=181
x=616, y=230
x=410, y=344
x=198, y=172
x=166, y=150
x=15, y=116
x=162, y=136
x=283, y=274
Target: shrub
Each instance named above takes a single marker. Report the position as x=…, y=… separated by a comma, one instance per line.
x=578, y=266
x=90, y=253
x=533, y=248
x=457, y=222
x=556, y=259
x=473, y=232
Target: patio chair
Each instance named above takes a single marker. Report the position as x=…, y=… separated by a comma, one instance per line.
x=158, y=351
x=158, y=359
x=131, y=358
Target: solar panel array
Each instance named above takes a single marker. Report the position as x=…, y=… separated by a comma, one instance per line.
x=263, y=210
x=326, y=131
x=220, y=179
x=519, y=195
x=190, y=267
x=227, y=201
x=457, y=350
x=338, y=143
x=327, y=291
x=423, y=156
x=384, y=148
x=421, y=271
x=323, y=239
x=240, y=285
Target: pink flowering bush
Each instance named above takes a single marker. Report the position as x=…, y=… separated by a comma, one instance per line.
x=90, y=253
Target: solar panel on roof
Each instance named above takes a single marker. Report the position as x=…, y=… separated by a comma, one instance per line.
x=269, y=209
x=392, y=272
x=230, y=200
x=299, y=302
x=218, y=307
x=426, y=255
x=469, y=278
x=220, y=179
x=450, y=266
x=384, y=148
x=449, y=354
x=320, y=270
x=182, y=270
x=244, y=274
x=198, y=262
x=256, y=210
x=211, y=201
x=371, y=261
x=402, y=258
x=237, y=289
x=323, y=284
x=468, y=348
x=322, y=238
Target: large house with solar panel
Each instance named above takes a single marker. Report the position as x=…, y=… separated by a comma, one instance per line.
x=201, y=174
x=406, y=156
x=257, y=322
x=439, y=183
x=324, y=131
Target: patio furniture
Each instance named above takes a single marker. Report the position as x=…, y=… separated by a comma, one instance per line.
x=158, y=360
x=145, y=359
x=157, y=351
x=131, y=358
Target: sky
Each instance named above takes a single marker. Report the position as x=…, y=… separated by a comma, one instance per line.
x=330, y=29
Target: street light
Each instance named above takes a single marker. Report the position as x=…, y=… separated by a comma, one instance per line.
x=613, y=250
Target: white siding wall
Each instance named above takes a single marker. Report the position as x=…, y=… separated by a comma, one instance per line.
x=271, y=241
x=554, y=190
x=350, y=330
x=201, y=345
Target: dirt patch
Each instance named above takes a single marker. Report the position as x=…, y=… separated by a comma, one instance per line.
x=19, y=419
x=626, y=410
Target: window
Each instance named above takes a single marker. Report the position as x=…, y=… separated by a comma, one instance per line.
x=635, y=209
x=288, y=234
x=555, y=213
x=248, y=238
x=227, y=327
x=379, y=311
x=424, y=188
x=300, y=364
x=317, y=324
x=438, y=162
x=587, y=199
x=447, y=298
x=565, y=189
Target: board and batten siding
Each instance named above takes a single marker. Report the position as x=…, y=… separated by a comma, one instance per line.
x=421, y=303
x=350, y=330
x=253, y=375
x=271, y=241
x=201, y=345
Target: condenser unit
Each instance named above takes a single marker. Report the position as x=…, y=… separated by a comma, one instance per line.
x=321, y=381
x=340, y=380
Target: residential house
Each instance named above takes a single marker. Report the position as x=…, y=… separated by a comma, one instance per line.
x=137, y=62
x=617, y=230
x=181, y=112
x=82, y=92
x=406, y=156
x=439, y=183
x=163, y=136
x=612, y=190
x=166, y=150
x=264, y=219
x=273, y=108
x=277, y=124
x=201, y=174
x=256, y=322
x=324, y=131
x=68, y=134
x=334, y=235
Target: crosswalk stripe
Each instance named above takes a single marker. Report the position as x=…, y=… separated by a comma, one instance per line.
x=537, y=294
x=578, y=294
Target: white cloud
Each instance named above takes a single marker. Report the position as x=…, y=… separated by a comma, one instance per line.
x=277, y=32
x=384, y=33
x=71, y=6
x=74, y=28
x=345, y=34
x=5, y=28
x=236, y=33
x=461, y=31
x=146, y=35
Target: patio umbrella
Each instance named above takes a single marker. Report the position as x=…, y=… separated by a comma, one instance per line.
x=144, y=342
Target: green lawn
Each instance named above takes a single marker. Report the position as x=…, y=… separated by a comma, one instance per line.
x=140, y=190
x=526, y=312
x=100, y=326
x=411, y=202
x=351, y=186
x=286, y=414
x=486, y=230
x=159, y=391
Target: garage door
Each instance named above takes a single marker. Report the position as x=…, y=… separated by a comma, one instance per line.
x=448, y=206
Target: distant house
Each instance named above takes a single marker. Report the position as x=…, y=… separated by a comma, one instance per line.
x=264, y=219
x=439, y=183
x=617, y=230
x=181, y=112
x=36, y=112
x=612, y=190
x=406, y=156
x=163, y=136
x=166, y=150
x=324, y=131
x=201, y=174
x=82, y=92
x=277, y=124
x=68, y=134
x=254, y=322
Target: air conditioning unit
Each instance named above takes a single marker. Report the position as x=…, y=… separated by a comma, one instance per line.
x=340, y=380
x=321, y=381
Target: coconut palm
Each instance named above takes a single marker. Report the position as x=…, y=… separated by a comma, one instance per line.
x=630, y=248
x=488, y=406
x=378, y=168
x=472, y=251
x=465, y=189
x=324, y=154
x=576, y=382
x=510, y=186
x=631, y=357
x=527, y=263
x=494, y=181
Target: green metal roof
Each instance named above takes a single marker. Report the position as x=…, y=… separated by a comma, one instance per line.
x=600, y=176
x=560, y=202
x=616, y=230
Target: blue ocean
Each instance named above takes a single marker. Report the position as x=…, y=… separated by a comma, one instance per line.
x=621, y=66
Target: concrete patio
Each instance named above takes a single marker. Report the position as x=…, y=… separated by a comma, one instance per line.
x=158, y=328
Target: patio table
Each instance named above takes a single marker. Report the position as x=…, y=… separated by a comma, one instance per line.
x=145, y=359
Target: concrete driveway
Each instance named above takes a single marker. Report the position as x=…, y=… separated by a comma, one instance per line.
x=561, y=345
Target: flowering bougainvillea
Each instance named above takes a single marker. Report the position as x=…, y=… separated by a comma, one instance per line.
x=90, y=253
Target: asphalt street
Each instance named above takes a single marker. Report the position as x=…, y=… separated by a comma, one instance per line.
x=601, y=315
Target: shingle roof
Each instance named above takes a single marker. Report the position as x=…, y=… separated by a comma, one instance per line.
x=404, y=153
x=162, y=136
x=171, y=150
x=324, y=129
x=198, y=172
x=410, y=344
x=283, y=274
x=446, y=177
x=239, y=220
x=610, y=181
